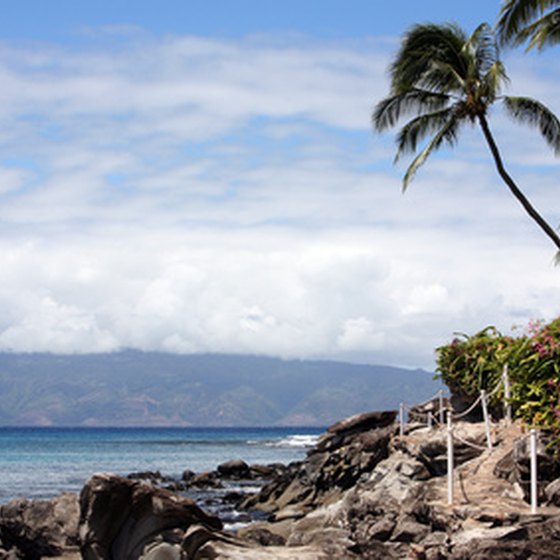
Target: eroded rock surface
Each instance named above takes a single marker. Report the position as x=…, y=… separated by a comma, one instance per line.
x=33, y=529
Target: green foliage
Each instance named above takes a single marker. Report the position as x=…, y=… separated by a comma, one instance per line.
x=535, y=22
x=469, y=364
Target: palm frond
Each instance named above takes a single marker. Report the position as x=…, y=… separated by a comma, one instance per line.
x=422, y=47
x=534, y=113
x=517, y=15
x=443, y=76
x=448, y=133
x=544, y=32
x=419, y=128
x=391, y=109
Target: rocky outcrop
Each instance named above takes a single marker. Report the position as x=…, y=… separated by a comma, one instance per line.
x=398, y=508
x=342, y=455
x=362, y=492
x=515, y=467
x=122, y=518
x=39, y=528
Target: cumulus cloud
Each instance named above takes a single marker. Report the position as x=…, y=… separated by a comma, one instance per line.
x=197, y=195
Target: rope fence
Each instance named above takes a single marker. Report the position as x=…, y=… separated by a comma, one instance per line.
x=444, y=414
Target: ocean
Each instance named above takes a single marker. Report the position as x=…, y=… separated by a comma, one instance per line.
x=42, y=462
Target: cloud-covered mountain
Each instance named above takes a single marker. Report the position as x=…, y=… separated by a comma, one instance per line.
x=132, y=388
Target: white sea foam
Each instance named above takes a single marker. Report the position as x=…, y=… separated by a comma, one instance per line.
x=299, y=441
x=235, y=526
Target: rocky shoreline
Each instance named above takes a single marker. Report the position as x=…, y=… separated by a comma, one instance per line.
x=362, y=492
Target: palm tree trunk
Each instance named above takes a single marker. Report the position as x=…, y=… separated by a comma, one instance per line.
x=529, y=208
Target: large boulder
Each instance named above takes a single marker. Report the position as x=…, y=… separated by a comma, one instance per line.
x=34, y=529
x=234, y=469
x=123, y=519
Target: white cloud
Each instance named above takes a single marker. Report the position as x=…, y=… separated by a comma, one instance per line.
x=190, y=194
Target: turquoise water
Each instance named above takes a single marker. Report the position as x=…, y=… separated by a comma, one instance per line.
x=42, y=462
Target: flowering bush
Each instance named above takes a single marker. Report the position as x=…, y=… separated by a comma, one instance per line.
x=471, y=363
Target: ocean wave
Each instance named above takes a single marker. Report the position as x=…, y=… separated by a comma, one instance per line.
x=296, y=440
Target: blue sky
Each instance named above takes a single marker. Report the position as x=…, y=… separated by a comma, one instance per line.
x=62, y=20
x=202, y=177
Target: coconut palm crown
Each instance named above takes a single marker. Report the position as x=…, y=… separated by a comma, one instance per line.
x=536, y=22
x=445, y=79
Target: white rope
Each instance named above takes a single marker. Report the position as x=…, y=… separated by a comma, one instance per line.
x=495, y=389
x=470, y=409
x=429, y=400
x=469, y=443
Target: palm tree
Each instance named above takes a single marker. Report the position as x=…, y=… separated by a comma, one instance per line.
x=536, y=21
x=447, y=79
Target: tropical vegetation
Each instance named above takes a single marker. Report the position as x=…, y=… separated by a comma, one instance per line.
x=536, y=22
x=469, y=364
x=445, y=79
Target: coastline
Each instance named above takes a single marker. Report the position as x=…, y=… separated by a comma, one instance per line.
x=364, y=491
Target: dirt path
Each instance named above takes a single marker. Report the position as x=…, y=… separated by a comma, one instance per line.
x=476, y=488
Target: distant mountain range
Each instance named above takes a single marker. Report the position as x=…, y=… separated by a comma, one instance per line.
x=133, y=388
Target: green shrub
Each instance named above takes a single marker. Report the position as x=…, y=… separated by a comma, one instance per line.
x=469, y=364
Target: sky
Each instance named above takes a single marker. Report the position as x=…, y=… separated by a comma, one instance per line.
x=202, y=176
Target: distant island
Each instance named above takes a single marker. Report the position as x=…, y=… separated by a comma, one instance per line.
x=134, y=388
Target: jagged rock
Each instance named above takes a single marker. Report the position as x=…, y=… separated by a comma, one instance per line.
x=362, y=422
x=267, y=471
x=120, y=518
x=430, y=446
x=505, y=550
x=380, y=530
x=408, y=530
x=33, y=529
x=347, y=451
x=515, y=466
x=552, y=492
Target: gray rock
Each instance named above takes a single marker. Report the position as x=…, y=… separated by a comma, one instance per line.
x=163, y=551
x=236, y=468
x=381, y=530
x=119, y=517
x=552, y=492
x=363, y=422
x=407, y=530
x=37, y=528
